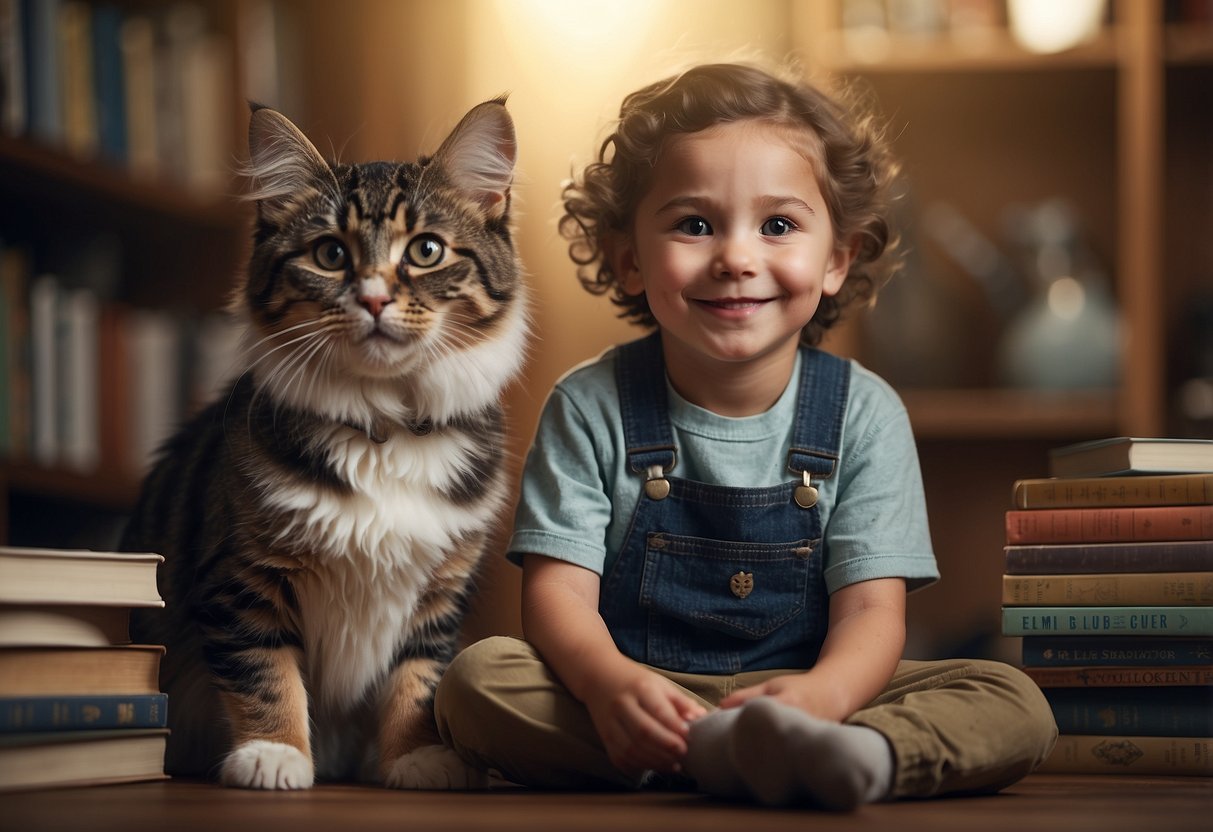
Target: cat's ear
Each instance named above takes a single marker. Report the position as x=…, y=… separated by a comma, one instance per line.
x=479, y=155
x=283, y=164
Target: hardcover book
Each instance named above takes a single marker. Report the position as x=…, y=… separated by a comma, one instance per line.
x=1094, y=676
x=1097, y=492
x=1124, y=588
x=1132, y=455
x=1102, y=754
x=1133, y=711
x=1137, y=651
x=77, y=576
x=81, y=758
x=76, y=713
x=1109, y=525
x=1067, y=558
x=41, y=671
x=1108, y=621
x=63, y=625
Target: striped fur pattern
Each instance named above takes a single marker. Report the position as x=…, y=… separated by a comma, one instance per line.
x=323, y=520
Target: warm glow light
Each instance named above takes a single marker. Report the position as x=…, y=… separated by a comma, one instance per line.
x=1054, y=25
x=588, y=31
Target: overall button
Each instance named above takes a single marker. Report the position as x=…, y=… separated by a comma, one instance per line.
x=742, y=584
x=806, y=494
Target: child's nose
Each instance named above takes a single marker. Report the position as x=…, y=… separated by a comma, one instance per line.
x=734, y=258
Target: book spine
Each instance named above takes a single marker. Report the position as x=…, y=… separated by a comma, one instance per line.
x=1066, y=651
x=1112, y=677
x=1150, y=712
x=1128, y=589
x=1100, y=525
x=1102, y=754
x=1095, y=492
x=1117, y=621
x=72, y=713
x=1163, y=556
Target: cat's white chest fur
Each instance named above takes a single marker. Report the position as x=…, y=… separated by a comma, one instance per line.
x=371, y=551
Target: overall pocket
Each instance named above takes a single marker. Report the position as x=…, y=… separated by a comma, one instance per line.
x=745, y=590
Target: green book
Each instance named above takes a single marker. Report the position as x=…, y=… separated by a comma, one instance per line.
x=1113, y=621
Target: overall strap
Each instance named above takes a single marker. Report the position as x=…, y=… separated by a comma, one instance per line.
x=640, y=377
x=825, y=383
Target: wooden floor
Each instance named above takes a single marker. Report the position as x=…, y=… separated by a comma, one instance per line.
x=1040, y=803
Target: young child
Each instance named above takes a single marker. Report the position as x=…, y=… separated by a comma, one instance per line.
x=719, y=523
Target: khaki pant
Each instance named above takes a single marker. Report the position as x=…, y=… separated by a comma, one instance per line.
x=954, y=726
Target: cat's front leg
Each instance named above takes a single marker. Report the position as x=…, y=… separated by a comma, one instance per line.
x=266, y=704
x=411, y=753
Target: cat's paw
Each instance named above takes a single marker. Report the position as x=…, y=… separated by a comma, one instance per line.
x=434, y=767
x=261, y=764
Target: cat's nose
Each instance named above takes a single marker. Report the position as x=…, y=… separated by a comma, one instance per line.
x=373, y=295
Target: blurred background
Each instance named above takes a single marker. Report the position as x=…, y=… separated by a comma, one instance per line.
x=1056, y=210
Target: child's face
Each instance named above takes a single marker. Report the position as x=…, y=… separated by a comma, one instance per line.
x=732, y=244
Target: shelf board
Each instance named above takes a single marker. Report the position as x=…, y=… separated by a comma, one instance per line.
x=1189, y=45
x=943, y=53
x=32, y=169
x=106, y=490
x=1004, y=413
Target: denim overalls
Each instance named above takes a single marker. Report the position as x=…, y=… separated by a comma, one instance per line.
x=716, y=579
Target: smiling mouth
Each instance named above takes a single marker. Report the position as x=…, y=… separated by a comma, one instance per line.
x=734, y=303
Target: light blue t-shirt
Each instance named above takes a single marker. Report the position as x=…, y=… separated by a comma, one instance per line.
x=577, y=496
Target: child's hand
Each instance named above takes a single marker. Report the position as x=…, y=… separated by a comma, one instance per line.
x=808, y=692
x=643, y=719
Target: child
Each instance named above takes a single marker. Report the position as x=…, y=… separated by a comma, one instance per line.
x=718, y=523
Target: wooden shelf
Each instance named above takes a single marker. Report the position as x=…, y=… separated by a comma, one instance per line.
x=104, y=489
x=36, y=171
x=942, y=53
x=1188, y=45
x=1000, y=413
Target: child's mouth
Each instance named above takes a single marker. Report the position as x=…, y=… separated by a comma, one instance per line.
x=733, y=304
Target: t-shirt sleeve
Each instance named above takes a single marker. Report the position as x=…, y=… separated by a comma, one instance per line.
x=879, y=524
x=563, y=508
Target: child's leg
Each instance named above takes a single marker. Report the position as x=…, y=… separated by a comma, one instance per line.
x=499, y=707
x=939, y=728
x=960, y=726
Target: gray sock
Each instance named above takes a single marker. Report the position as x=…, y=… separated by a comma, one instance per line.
x=786, y=757
x=708, y=759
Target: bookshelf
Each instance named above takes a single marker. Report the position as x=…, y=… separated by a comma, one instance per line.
x=147, y=225
x=1118, y=126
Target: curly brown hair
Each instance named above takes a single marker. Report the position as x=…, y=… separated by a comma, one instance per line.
x=854, y=169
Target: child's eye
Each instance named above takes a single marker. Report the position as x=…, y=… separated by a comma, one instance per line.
x=778, y=226
x=695, y=227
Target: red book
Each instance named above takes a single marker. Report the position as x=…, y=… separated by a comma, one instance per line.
x=1097, y=525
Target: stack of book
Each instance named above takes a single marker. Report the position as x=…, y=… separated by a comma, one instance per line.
x=79, y=704
x=1109, y=582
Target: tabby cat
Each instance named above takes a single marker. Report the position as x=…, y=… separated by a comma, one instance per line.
x=322, y=520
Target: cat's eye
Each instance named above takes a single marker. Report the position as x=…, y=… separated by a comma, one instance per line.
x=425, y=251
x=778, y=227
x=330, y=254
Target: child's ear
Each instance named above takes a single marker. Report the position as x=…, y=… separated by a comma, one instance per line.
x=620, y=253
x=838, y=267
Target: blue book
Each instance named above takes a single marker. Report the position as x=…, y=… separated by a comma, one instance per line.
x=1133, y=712
x=21, y=714
x=43, y=97
x=109, y=81
x=1108, y=621
x=1137, y=651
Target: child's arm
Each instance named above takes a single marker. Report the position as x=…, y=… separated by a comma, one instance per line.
x=640, y=716
x=866, y=636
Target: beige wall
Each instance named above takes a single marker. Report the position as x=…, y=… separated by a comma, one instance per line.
x=566, y=65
